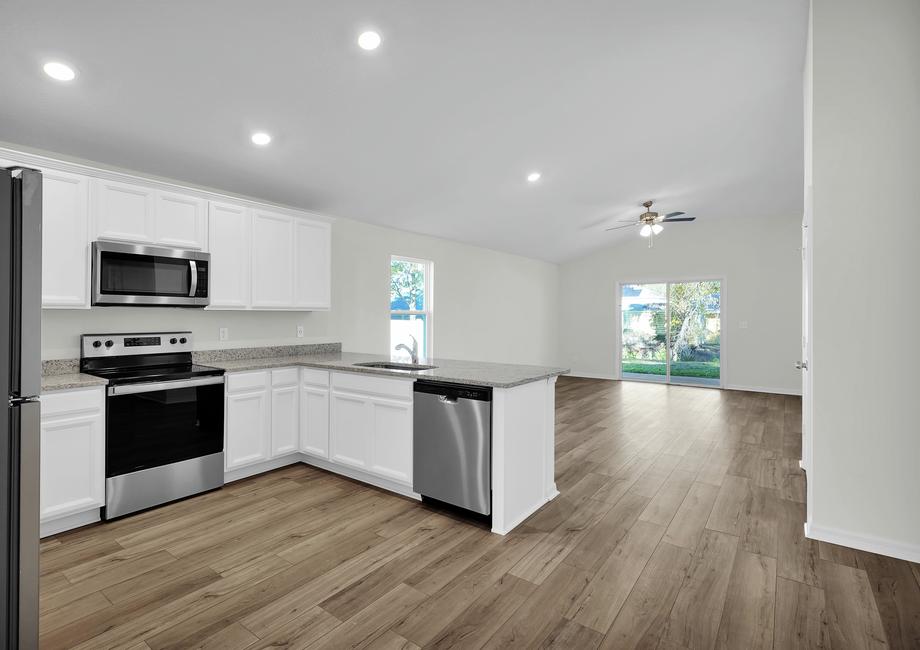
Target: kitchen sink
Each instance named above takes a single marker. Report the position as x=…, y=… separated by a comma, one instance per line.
x=391, y=365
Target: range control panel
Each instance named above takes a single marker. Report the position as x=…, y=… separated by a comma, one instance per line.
x=107, y=345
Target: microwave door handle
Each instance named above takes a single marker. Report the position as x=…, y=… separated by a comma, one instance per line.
x=193, y=269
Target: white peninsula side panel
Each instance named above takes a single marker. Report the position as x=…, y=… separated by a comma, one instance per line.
x=523, y=461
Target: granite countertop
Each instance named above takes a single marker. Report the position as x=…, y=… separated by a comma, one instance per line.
x=63, y=374
x=70, y=381
x=476, y=373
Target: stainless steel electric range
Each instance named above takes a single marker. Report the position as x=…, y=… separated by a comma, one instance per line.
x=164, y=420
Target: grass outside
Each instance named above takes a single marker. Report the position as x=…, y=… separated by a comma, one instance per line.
x=708, y=369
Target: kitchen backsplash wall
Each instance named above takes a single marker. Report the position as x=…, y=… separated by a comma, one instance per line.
x=61, y=329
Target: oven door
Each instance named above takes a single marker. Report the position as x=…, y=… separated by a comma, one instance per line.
x=129, y=274
x=156, y=424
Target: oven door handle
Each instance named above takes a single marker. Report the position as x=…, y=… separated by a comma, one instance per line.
x=133, y=389
x=193, y=269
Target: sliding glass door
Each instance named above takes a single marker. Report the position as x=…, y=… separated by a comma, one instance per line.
x=671, y=332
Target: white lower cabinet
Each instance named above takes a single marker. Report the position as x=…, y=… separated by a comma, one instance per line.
x=72, y=452
x=285, y=427
x=350, y=420
x=371, y=425
x=391, y=440
x=248, y=419
x=314, y=412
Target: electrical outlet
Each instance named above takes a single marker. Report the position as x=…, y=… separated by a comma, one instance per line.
x=300, y=331
x=224, y=333
x=743, y=325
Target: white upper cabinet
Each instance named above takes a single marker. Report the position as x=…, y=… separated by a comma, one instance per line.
x=229, y=228
x=133, y=212
x=262, y=257
x=65, y=240
x=123, y=211
x=312, y=264
x=181, y=221
x=272, y=260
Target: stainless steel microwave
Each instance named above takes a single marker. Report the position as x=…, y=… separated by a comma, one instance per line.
x=132, y=274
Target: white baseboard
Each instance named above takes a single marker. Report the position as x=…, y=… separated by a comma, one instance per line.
x=358, y=475
x=260, y=468
x=891, y=548
x=590, y=375
x=752, y=389
x=514, y=523
x=70, y=522
x=764, y=389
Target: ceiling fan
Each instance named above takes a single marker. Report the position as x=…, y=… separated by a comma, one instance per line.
x=650, y=222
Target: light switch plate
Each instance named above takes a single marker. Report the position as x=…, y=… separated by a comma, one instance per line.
x=224, y=333
x=743, y=325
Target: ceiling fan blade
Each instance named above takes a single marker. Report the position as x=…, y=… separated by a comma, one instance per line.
x=668, y=220
x=673, y=214
x=630, y=225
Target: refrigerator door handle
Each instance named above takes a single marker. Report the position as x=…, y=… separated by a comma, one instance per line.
x=18, y=401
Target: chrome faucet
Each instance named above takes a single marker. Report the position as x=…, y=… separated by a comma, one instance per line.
x=413, y=351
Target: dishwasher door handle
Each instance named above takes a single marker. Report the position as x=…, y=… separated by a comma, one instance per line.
x=446, y=399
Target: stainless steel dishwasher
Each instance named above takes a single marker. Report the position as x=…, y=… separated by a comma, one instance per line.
x=452, y=454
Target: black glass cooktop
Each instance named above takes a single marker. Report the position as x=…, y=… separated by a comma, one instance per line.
x=154, y=373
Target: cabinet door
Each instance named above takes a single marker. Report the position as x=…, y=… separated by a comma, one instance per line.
x=314, y=420
x=312, y=264
x=248, y=418
x=123, y=211
x=285, y=423
x=73, y=456
x=181, y=221
x=228, y=242
x=272, y=260
x=391, y=441
x=65, y=240
x=351, y=427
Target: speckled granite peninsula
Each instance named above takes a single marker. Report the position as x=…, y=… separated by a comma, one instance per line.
x=476, y=373
x=63, y=374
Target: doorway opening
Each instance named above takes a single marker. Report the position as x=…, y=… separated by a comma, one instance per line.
x=671, y=332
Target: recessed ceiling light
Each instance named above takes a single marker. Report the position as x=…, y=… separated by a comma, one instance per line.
x=59, y=71
x=533, y=177
x=261, y=138
x=369, y=40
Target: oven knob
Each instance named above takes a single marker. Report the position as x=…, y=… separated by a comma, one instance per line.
x=97, y=344
x=173, y=341
x=109, y=343
x=183, y=340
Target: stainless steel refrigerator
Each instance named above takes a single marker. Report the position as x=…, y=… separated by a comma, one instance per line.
x=20, y=380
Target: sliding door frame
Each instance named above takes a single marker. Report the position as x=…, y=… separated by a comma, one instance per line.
x=668, y=281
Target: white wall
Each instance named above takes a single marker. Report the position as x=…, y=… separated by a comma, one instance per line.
x=865, y=482
x=489, y=306
x=760, y=263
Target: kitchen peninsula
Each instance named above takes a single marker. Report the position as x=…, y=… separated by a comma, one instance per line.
x=324, y=407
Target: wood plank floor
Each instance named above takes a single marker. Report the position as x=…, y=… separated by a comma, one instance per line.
x=679, y=525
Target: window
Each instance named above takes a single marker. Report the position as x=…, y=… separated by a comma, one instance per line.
x=672, y=332
x=410, y=305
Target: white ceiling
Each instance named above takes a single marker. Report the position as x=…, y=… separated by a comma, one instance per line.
x=695, y=104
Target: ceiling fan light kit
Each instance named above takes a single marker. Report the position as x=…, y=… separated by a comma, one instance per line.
x=650, y=222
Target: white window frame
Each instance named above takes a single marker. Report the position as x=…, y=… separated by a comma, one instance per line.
x=428, y=312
